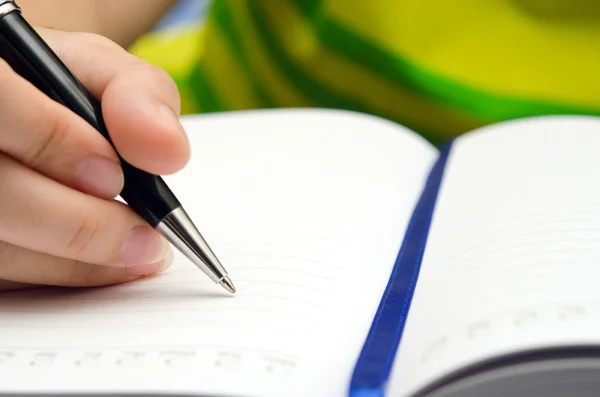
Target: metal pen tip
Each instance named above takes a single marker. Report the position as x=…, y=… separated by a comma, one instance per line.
x=227, y=284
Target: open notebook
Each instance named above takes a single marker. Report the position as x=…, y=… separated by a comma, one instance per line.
x=308, y=211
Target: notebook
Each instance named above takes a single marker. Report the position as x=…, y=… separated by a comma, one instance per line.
x=367, y=263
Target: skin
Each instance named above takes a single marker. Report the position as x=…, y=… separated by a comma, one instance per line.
x=58, y=176
x=109, y=18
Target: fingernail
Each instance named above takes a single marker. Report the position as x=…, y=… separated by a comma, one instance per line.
x=152, y=268
x=169, y=117
x=170, y=120
x=143, y=246
x=99, y=176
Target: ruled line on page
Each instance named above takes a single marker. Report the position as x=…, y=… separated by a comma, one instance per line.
x=304, y=260
x=522, y=245
x=272, y=269
x=117, y=298
x=169, y=327
x=240, y=281
x=190, y=311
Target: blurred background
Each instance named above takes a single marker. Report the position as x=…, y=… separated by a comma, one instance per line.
x=183, y=13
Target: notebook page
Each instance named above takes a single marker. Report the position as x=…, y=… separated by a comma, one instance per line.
x=306, y=209
x=512, y=259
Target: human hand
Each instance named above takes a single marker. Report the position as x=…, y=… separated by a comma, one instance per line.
x=59, y=222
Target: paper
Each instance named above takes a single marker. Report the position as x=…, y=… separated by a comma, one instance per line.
x=306, y=210
x=512, y=260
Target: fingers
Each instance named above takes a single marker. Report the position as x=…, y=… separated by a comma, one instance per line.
x=140, y=102
x=7, y=285
x=51, y=233
x=50, y=139
x=21, y=268
x=40, y=214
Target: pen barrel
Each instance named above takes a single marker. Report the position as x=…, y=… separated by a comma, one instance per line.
x=21, y=47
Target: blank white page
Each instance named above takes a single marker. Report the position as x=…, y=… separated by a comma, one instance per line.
x=512, y=262
x=306, y=209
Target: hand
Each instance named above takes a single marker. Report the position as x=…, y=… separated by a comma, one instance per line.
x=59, y=222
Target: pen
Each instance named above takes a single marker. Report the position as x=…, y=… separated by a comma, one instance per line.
x=148, y=195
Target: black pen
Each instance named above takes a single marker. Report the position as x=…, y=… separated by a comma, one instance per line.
x=148, y=195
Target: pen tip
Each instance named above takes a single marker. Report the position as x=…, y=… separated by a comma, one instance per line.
x=227, y=284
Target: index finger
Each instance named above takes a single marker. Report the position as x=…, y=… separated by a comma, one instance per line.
x=140, y=102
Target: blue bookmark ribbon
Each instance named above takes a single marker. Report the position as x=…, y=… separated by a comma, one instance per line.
x=375, y=362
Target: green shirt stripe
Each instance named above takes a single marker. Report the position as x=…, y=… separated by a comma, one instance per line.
x=314, y=90
x=204, y=93
x=222, y=17
x=397, y=70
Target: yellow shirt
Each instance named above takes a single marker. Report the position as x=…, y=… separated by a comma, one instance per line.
x=439, y=67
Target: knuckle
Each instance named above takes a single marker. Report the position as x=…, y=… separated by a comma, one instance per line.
x=8, y=254
x=69, y=46
x=147, y=69
x=53, y=137
x=84, y=234
x=165, y=78
x=169, y=84
x=159, y=77
x=94, y=39
x=83, y=274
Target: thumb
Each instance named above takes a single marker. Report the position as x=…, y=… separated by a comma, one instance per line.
x=140, y=102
